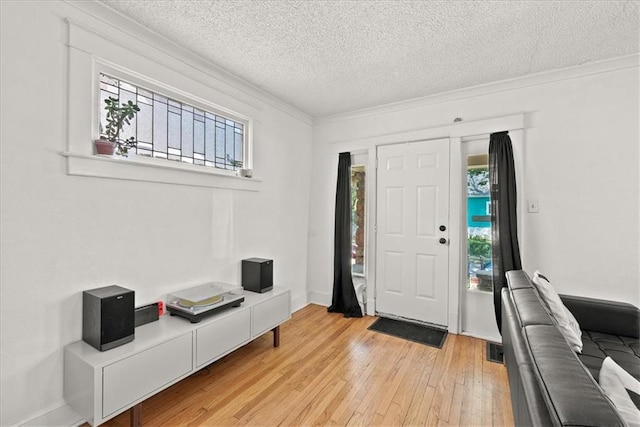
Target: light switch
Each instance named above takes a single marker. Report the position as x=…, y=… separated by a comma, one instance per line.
x=532, y=206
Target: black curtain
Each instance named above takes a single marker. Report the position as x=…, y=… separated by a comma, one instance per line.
x=504, y=232
x=344, y=295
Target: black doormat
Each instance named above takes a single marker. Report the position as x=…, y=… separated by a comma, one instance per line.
x=410, y=331
x=494, y=352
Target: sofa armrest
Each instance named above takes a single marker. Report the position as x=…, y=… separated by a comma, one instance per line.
x=609, y=317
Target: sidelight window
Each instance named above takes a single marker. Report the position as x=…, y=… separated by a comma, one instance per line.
x=357, y=220
x=479, y=265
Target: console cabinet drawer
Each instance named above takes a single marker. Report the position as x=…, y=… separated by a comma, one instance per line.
x=214, y=340
x=269, y=314
x=137, y=376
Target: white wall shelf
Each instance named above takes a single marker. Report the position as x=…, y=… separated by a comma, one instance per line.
x=140, y=168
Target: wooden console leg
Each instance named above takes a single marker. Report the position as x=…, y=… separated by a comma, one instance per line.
x=276, y=336
x=135, y=414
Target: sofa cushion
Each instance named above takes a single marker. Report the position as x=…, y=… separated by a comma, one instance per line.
x=623, y=350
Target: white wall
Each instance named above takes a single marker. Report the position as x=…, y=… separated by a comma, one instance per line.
x=63, y=234
x=580, y=156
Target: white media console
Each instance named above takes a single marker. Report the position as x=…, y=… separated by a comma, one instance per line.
x=101, y=385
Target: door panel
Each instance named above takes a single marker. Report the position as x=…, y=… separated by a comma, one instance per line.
x=427, y=215
x=412, y=203
x=394, y=208
x=425, y=276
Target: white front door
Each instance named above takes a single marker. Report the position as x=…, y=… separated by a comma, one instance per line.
x=412, y=230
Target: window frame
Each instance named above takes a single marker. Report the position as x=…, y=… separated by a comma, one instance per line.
x=177, y=95
x=91, y=52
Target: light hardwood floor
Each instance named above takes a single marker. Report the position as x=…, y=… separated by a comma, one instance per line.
x=330, y=370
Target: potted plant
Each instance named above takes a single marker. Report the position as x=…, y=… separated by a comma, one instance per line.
x=237, y=165
x=117, y=116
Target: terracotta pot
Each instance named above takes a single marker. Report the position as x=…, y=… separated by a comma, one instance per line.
x=104, y=146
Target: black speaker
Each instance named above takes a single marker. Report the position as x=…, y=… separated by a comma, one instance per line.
x=108, y=317
x=257, y=274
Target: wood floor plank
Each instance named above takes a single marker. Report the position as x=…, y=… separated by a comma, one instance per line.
x=333, y=371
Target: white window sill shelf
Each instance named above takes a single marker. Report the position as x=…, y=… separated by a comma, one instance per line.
x=139, y=168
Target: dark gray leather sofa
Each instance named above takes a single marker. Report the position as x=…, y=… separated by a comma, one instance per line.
x=549, y=383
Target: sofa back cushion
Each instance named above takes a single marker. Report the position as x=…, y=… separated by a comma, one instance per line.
x=570, y=392
x=529, y=310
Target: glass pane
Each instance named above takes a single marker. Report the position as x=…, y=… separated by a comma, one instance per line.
x=187, y=133
x=109, y=88
x=160, y=98
x=127, y=87
x=128, y=131
x=238, y=149
x=144, y=120
x=229, y=144
x=160, y=126
x=144, y=100
x=479, y=266
x=103, y=113
x=357, y=219
x=108, y=80
x=210, y=140
x=198, y=137
x=174, y=130
x=220, y=143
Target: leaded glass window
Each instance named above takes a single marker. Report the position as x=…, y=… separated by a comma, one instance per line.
x=169, y=129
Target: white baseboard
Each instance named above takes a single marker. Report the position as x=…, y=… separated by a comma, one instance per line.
x=299, y=303
x=63, y=416
x=320, y=298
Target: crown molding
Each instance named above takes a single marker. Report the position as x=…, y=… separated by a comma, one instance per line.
x=116, y=20
x=537, y=79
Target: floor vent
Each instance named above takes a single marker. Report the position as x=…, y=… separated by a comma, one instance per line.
x=494, y=353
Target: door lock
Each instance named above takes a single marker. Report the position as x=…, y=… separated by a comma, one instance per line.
x=443, y=228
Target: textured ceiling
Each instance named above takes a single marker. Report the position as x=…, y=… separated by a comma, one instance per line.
x=328, y=57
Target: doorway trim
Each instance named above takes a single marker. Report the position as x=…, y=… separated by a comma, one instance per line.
x=456, y=132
